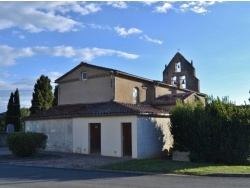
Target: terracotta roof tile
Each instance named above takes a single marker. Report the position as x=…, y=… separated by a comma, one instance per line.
x=98, y=109
x=171, y=98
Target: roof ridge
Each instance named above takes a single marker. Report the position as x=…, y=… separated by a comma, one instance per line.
x=102, y=68
x=109, y=108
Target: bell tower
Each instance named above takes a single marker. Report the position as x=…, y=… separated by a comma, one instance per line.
x=181, y=73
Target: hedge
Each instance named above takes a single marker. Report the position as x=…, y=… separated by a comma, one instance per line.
x=26, y=144
x=218, y=132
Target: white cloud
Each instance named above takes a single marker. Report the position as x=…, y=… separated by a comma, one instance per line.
x=18, y=34
x=97, y=26
x=147, y=38
x=25, y=87
x=163, y=8
x=21, y=37
x=5, y=74
x=123, y=32
x=184, y=7
x=44, y=16
x=118, y=4
x=90, y=8
x=53, y=76
x=199, y=7
x=90, y=53
x=9, y=55
x=149, y=3
x=55, y=16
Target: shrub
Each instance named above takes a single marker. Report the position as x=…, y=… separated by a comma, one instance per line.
x=26, y=144
x=218, y=133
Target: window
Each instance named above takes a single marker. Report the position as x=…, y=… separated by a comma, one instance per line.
x=135, y=95
x=174, y=81
x=183, y=81
x=178, y=67
x=84, y=75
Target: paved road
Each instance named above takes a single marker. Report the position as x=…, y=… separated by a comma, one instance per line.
x=12, y=176
x=4, y=151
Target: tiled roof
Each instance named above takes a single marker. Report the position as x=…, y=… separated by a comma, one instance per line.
x=122, y=74
x=98, y=109
x=114, y=71
x=171, y=98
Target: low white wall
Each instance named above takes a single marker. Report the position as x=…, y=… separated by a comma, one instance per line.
x=73, y=135
x=153, y=136
x=80, y=136
x=59, y=132
x=111, y=135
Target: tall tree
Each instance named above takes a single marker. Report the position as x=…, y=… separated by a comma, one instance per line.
x=17, y=112
x=2, y=122
x=42, y=95
x=13, y=114
x=10, y=111
x=55, y=101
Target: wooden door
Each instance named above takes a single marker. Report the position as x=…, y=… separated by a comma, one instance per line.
x=127, y=139
x=95, y=138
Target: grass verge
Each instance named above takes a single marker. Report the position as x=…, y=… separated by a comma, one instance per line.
x=176, y=167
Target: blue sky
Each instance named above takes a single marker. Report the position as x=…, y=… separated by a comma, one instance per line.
x=51, y=38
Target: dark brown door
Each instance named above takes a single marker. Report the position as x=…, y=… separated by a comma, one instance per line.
x=127, y=139
x=95, y=138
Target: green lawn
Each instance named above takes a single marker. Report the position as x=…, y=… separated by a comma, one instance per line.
x=176, y=167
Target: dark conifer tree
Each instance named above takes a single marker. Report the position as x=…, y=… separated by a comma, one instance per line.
x=10, y=111
x=17, y=112
x=13, y=115
x=42, y=95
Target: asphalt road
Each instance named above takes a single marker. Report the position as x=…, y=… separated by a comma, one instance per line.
x=12, y=176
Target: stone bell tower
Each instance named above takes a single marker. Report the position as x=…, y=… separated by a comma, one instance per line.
x=180, y=73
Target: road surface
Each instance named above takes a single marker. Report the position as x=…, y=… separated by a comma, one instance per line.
x=13, y=176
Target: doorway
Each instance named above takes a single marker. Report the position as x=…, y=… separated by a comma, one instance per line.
x=95, y=138
x=127, y=139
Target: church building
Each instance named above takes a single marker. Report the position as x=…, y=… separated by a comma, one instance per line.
x=109, y=112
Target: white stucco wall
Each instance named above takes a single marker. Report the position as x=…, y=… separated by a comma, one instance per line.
x=80, y=136
x=73, y=135
x=59, y=132
x=111, y=135
x=153, y=136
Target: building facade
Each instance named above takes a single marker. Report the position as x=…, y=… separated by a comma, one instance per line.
x=112, y=113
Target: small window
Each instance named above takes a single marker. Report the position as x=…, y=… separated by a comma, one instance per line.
x=174, y=81
x=178, y=67
x=183, y=81
x=84, y=75
x=135, y=95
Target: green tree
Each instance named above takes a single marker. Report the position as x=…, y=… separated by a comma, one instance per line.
x=2, y=122
x=218, y=132
x=55, y=101
x=24, y=112
x=16, y=112
x=13, y=115
x=42, y=95
x=10, y=111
